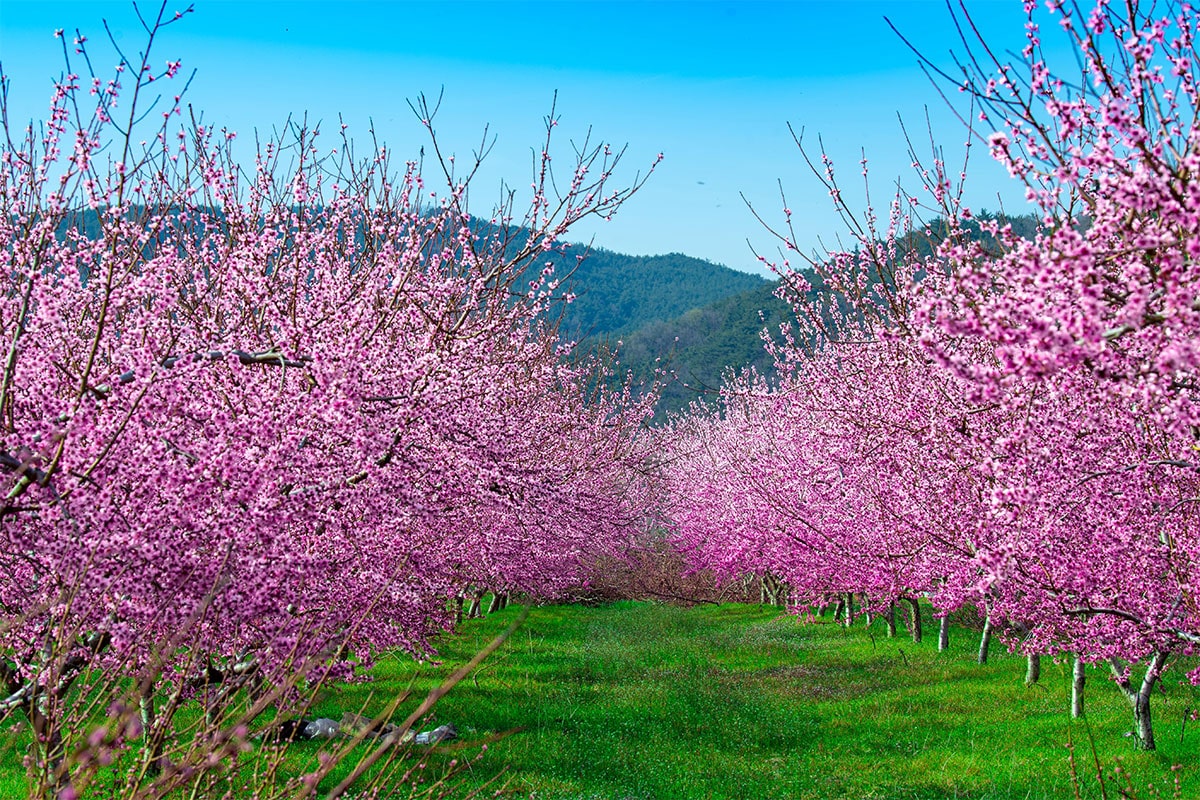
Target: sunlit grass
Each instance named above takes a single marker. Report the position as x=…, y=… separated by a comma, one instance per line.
x=653, y=701
x=638, y=700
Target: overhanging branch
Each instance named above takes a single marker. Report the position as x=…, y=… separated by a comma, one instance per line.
x=270, y=358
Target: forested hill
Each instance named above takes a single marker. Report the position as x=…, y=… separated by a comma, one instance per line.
x=703, y=343
x=617, y=293
x=693, y=317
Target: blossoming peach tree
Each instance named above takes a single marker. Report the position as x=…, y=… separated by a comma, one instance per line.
x=989, y=419
x=264, y=417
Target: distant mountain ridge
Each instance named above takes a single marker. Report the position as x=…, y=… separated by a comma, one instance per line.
x=701, y=345
x=693, y=317
x=618, y=294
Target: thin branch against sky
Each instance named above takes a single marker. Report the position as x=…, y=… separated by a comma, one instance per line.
x=712, y=85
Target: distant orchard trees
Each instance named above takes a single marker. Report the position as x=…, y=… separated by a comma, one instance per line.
x=1002, y=422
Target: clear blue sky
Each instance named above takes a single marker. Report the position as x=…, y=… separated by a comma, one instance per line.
x=712, y=85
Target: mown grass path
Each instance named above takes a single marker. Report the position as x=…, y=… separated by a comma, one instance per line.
x=639, y=700
x=654, y=702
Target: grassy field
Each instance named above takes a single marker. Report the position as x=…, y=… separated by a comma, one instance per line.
x=639, y=700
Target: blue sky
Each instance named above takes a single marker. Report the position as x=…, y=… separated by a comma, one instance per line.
x=712, y=85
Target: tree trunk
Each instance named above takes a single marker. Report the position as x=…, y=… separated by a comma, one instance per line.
x=914, y=614
x=985, y=640
x=1078, y=679
x=476, y=601
x=772, y=590
x=848, y=620
x=889, y=619
x=1139, y=698
x=838, y=609
x=1033, y=669
x=49, y=750
x=1141, y=719
x=944, y=633
x=152, y=739
x=458, y=609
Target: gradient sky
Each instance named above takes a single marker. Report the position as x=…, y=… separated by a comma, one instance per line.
x=712, y=85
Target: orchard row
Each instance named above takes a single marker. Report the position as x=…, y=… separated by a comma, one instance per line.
x=992, y=421
x=264, y=420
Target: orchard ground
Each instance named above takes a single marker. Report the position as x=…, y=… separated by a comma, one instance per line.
x=646, y=700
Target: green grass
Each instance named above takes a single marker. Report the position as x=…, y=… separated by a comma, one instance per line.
x=641, y=700
x=638, y=700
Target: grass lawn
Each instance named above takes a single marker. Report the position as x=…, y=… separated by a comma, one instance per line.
x=640, y=700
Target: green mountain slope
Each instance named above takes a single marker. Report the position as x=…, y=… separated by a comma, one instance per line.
x=703, y=343
x=617, y=293
x=699, y=344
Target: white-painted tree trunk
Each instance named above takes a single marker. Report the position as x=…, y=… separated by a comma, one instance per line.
x=1078, y=679
x=985, y=640
x=1033, y=669
x=914, y=608
x=1139, y=698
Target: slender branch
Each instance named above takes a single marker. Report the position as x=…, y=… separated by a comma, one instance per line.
x=427, y=704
